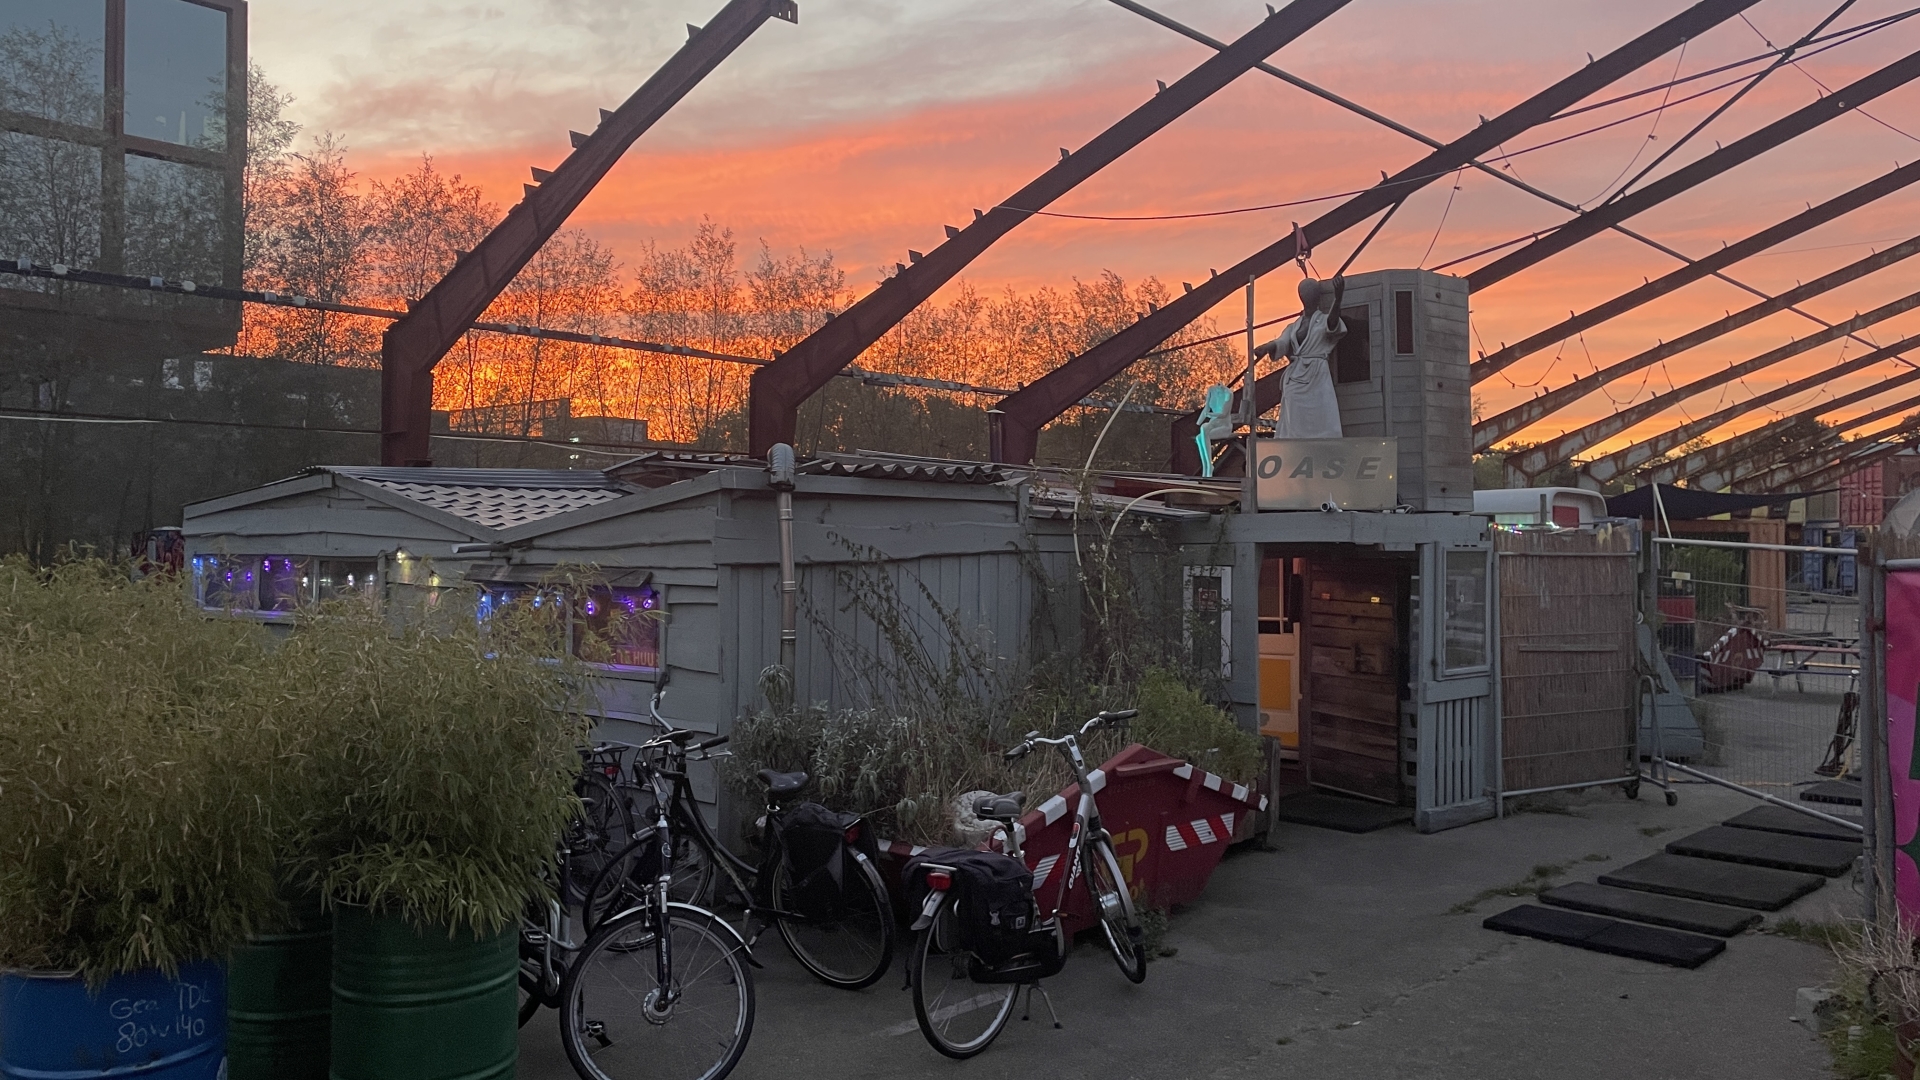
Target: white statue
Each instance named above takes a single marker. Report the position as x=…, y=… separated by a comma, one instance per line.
x=1308, y=408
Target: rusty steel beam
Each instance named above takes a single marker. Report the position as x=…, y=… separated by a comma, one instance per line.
x=1846, y=458
x=1738, y=468
x=1494, y=429
x=778, y=389
x=1508, y=355
x=1619, y=462
x=1016, y=422
x=416, y=342
x=1714, y=266
x=1534, y=461
x=1606, y=468
x=1852, y=463
x=1798, y=122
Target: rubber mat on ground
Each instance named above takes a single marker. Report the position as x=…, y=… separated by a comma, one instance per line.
x=1690, y=915
x=1844, y=792
x=1782, y=820
x=1758, y=887
x=1830, y=858
x=1335, y=812
x=1601, y=934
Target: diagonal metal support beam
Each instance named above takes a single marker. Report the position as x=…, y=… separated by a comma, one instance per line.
x=1539, y=459
x=1846, y=458
x=1604, y=469
x=1494, y=429
x=417, y=341
x=1714, y=265
x=1860, y=460
x=1016, y=423
x=1508, y=355
x=1738, y=468
x=1798, y=122
x=779, y=388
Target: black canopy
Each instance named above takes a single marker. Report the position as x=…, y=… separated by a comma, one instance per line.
x=1687, y=504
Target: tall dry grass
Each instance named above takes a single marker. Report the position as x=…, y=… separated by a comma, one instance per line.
x=135, y=828
x=167, y=776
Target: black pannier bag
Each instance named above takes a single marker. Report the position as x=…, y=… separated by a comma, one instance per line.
x=818, y=856
x=994, y=900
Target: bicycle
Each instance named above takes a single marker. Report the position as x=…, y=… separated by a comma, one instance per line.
x=847, y=943
x=660, y=989
x=962, y=1001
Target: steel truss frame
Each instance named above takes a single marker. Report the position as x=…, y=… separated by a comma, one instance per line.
x=415, y=343
x=779, y=388
x=1016, y=422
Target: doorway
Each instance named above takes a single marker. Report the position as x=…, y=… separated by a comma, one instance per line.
x=1354, y=641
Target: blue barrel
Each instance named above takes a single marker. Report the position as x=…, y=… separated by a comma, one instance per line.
x=142, y=1024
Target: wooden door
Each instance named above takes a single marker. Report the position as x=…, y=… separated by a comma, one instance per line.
x=1353, y=683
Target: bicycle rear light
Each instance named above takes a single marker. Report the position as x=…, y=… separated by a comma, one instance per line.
x=939, y=880
x=853, y=833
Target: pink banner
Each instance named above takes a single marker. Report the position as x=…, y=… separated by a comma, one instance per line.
x=1903, y=695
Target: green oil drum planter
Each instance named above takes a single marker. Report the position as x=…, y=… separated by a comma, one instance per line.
x=422, y=1004
x=280, y=1001
x=139, y=1025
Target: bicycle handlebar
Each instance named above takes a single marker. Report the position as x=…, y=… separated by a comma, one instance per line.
x=1034, y=738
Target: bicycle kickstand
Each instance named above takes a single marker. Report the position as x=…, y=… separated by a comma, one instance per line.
x=1027, y=1014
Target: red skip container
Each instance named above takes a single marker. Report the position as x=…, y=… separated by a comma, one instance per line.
x=1171, y=822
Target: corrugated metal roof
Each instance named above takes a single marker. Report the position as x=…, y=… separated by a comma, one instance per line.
x=939, y=472
x=497, y=499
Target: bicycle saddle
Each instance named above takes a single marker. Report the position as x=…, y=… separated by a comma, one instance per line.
x=780, y=785
x=999, y=807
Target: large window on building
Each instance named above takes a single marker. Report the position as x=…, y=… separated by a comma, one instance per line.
x=176, y=74
x=119, y=145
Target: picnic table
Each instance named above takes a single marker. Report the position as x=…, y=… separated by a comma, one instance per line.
x=1802, y=657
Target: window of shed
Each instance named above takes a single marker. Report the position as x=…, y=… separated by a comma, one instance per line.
x=618, y=626
x=285, y=582
x=227, y=582
x=341, y=578
x=1464, y=633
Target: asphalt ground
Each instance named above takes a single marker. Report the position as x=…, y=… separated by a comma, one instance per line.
x=1334, y=956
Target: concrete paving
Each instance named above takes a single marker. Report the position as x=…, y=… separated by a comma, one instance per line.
x=1339, y=956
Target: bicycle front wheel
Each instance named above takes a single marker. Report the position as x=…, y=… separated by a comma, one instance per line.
x=1114, y=906
x=850, y=948
x=618, y=1022
x=958, y=1016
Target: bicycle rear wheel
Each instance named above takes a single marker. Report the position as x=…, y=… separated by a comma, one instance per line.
x=617, y=1025
x=601, y=830
x=958, y=1016
x=1114, y=906
x=853, y=947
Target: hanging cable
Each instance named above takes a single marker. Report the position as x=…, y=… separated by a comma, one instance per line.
x=1651, y=132
x=1785, y=56
x=1444, y=211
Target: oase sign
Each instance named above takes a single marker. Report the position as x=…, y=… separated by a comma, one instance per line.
x=1308, y=474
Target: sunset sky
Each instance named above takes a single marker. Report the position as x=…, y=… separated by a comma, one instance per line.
x=872, y=123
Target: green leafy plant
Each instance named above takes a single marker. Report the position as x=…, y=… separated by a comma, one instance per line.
x=136, y=826
x=1177, y=720
x=440, y=753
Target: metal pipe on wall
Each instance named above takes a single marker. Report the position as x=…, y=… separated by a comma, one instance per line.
x=780, y=474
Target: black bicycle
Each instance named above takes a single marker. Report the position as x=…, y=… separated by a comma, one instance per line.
x=845, y=938
x=660, y=989
x=962, y=995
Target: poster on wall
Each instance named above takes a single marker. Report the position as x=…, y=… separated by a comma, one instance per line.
x=1903, y=755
